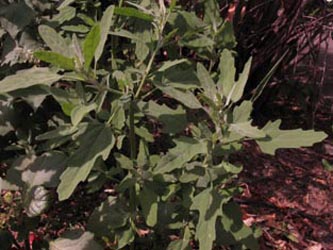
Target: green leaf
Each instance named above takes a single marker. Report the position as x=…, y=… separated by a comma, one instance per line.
x=27, y=78
x=125, y=237
x=185, y=150
x=79, y=28
x=110, y=215
x=75, y=240
x=55, y=59
x=131, y=12
x=247, y=130
x=182, y=244
x=226, y=37
x=169, y=64
x=239, y=86
x=174, y=120
x=90, y=45
x=209, y=204
x=206, y=82
x=54, y=41
x=183, y=96
x=327, y=165
x=65, y=4
x=295, y=138
x=65, y=14
x=96, y=142
x=242, y=113
x=227, y=72
x=232, y=222
x=124, y=161
x=79, y=112
x=149, y=204
x=30, y=171
x=106, y=23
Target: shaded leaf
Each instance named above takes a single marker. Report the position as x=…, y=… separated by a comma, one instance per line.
x=186, y=149
x=110, y=215
x=174, y=120
x=149, y=204
x=75, y=240
x=209, y=204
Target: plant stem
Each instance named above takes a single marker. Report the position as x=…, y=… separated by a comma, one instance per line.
x=150, y=63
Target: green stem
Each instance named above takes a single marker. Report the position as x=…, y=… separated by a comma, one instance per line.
x=150, y=63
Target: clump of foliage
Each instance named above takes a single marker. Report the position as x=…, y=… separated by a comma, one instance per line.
x=144, y=97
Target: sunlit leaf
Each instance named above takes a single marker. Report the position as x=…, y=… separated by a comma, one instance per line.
x=90, y=44
x=96, y=142
x=55, y=59
x=131, y=12
x=105, y=25
x=27, y=78
x=54, y=41
x=277, y=138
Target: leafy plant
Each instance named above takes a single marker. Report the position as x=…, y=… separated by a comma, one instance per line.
x=147, y=99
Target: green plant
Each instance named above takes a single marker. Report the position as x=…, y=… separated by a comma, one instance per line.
x=146, y=99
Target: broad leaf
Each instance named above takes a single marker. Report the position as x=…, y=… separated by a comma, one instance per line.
x=55, y=59
x=247, y=130
x=242, y=112
x=75, y=240
x=90, y=45
x=149, y=203
x=295, y=138
x=227, y=72
x=232, y=222
x=27, y=78
x=206, y=82
x=33, y=171
x=79, y=112
x=174, y=120
x=106, y=23
x=182, y=244
x=185, y=150
x=124, y=237
x=131, y=12
x=96, y=142
x=65, y=14
x=209, y=204
x=168, y=64
x=55, y=41
x=183, y=96
x=110, y=215
x=238, y=88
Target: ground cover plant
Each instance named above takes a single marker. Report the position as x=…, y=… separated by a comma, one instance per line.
x=142, y=97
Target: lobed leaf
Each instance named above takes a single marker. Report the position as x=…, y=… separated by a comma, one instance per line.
x=295, y=138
